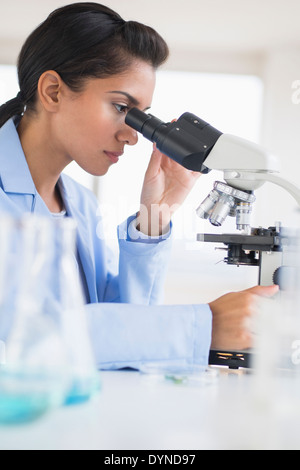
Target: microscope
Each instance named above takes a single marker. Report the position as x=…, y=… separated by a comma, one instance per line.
x=246, y=166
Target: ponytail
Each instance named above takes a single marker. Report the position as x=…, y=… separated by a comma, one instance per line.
x=11, y=108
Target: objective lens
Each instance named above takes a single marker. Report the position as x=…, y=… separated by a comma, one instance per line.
x=221, y=210
x=243, y=215
x=206, y=207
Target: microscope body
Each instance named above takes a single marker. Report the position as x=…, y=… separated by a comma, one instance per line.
x=246, y=166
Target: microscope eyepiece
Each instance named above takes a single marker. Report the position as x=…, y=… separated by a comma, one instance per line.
x=144, y=123
x=136, y=119
x=188, y=140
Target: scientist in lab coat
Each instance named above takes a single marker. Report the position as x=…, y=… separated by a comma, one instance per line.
x=79, y=72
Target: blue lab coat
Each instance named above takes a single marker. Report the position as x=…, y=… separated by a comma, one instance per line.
x=128, y=326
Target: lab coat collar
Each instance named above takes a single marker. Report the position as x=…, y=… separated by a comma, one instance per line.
x=66, y=187
x=16, y=178
x=14, y=171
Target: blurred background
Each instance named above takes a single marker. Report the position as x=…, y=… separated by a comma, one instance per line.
x=236, y=64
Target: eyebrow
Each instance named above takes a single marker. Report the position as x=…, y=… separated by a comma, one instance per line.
x=133, y=100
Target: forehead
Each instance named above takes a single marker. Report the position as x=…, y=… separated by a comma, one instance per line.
x=138, y=81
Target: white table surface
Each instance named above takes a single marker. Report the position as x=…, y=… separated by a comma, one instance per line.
x=134, y=411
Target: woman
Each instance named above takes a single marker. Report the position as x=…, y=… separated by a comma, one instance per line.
x=79, y=72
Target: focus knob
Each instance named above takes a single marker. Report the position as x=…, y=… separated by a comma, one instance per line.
x=283, y=277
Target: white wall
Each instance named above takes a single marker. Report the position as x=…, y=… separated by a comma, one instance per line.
x=280, y=130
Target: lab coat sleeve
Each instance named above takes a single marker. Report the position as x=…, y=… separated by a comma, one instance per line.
x=142, y=268
x=131, y=335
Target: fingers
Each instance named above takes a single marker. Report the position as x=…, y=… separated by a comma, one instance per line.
x=232, y=315
x=160, y=161
x=264, y=291
x=155, y=162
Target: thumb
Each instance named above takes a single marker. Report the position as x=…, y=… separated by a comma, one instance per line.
x=264, y=291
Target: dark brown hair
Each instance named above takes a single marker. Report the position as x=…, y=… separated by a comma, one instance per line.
x=81, y=41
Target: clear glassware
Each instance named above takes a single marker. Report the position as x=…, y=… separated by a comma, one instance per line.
x=48, y=358
x=30, y=382
x=73, y=324
x=276, y=362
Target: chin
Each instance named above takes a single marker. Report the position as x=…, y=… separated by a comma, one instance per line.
x=96, y=171
x=100, y=173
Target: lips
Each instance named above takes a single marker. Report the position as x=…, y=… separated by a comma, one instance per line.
x=113, y=156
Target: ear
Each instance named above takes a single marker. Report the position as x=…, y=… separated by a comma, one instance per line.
x=49, y=90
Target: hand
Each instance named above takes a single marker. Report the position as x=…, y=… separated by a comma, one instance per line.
x=166, y=185
x=231, y=312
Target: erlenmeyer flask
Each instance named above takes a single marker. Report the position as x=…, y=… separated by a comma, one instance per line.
x=33, y=379
x=49, y=361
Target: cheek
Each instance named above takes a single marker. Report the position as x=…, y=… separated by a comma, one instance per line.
x=83, y=128
x=92, y=120
x=86, y=126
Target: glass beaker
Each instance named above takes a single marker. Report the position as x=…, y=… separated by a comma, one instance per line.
x=277, y=342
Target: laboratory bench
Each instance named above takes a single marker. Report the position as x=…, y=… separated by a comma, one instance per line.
x=138, y=411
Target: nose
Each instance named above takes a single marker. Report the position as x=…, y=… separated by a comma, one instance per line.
x=127, y=135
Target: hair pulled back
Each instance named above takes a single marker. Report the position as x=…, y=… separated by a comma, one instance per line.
x=81, y=41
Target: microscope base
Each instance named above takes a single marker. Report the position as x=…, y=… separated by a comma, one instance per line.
x=231, y=359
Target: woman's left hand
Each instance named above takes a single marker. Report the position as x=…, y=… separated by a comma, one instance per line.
x=166, y=185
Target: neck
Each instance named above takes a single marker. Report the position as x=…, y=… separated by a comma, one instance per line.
x=44, y=161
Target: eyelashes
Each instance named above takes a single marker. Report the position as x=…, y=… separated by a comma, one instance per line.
x=121, y=108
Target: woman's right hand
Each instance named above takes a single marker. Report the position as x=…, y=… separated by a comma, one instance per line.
x=231, y=314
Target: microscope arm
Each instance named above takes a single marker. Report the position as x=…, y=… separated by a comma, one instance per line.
x=247, y=180
x=247, y=165
x=231, y=152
